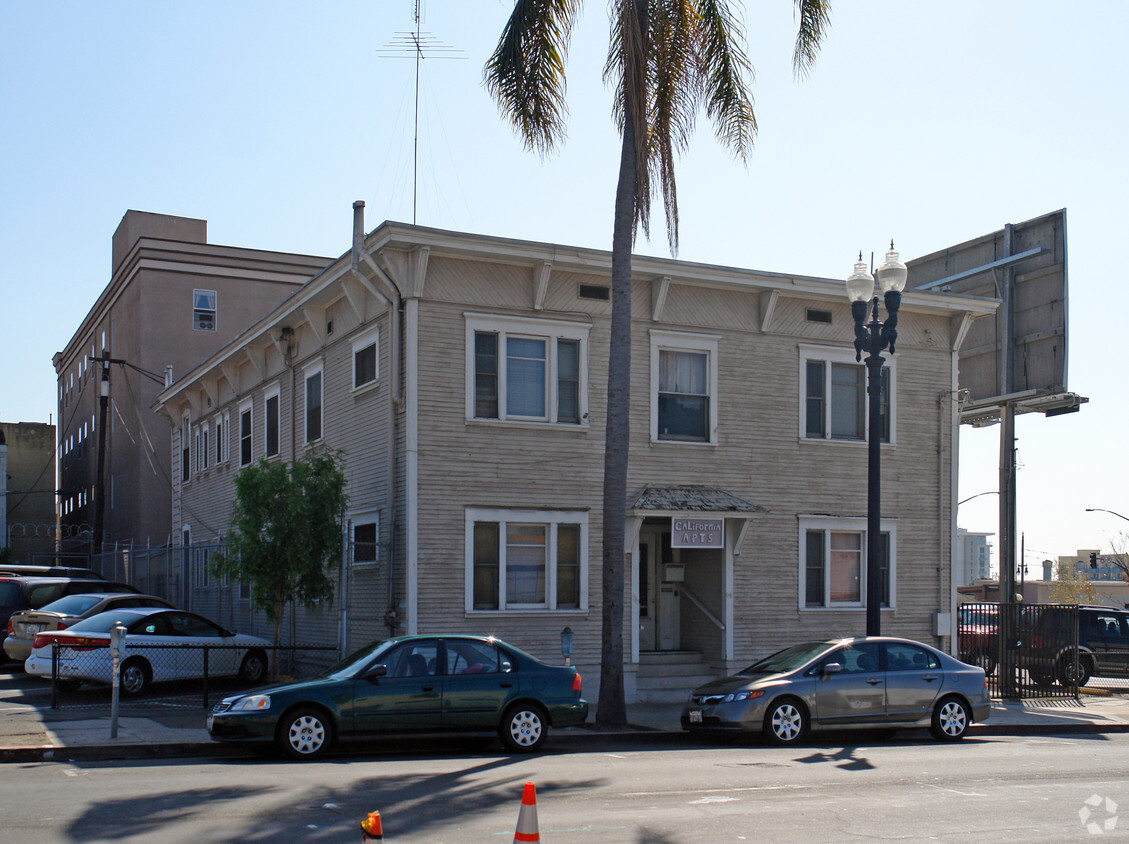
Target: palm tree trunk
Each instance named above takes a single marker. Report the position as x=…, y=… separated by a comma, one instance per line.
x=611, y=710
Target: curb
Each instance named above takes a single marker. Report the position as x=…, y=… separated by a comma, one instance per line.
x=126, y=752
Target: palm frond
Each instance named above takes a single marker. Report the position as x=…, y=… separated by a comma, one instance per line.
x=815, y=20
x=526, y=72
x=727, y=73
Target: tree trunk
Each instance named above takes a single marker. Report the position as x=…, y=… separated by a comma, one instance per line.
x=611, y=709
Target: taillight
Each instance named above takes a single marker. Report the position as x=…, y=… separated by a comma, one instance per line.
x=61, y=626
x=11, y=629
x=78, y=643
x=576, y=682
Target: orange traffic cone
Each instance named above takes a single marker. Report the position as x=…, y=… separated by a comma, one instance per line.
x=372, y=827
x=527, y=818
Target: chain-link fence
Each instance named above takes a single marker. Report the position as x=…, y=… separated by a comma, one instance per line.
x=361, y=610
x=176, y=675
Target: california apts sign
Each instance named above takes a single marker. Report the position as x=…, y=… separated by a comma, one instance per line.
x=697, y=533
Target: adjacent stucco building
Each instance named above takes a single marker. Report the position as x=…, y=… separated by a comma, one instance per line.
x=463, y=378
x=172, y=300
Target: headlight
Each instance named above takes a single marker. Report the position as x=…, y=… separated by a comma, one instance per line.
x=733, y=697
x=254, y=703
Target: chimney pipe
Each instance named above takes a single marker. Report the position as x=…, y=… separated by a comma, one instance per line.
x=358, y=231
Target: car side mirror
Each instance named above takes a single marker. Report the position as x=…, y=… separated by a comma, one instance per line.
x=832, y=668
x=374, y=671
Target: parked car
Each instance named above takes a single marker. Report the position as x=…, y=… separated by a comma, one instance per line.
x=84, y=650
x=464, y=684
x=25, y=625
x=1047, y=645
x=867, y=681
x=978, y=635
x=48, y=571
x=24, y=592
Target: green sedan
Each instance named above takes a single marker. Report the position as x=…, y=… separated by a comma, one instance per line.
x=460, y=684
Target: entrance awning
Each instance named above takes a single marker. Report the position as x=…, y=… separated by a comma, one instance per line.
x=675, y=500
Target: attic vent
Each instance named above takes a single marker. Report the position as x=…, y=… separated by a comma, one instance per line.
x=819, y=316
x=595, y=291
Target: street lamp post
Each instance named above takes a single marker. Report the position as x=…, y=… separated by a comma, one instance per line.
x=1104, y=510
x=872, y=337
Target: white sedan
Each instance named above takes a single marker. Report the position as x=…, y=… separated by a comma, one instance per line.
x=159, y=645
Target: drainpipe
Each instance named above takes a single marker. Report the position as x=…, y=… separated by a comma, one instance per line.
x=381, y=279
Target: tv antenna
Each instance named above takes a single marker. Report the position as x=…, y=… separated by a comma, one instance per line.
x=418, y=45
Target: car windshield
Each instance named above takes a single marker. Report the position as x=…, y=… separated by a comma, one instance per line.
x=104, y=622
x=788, y=659
x=72, y=604
x=357, y=660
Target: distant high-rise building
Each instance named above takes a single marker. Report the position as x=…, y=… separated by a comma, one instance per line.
x=972, y=557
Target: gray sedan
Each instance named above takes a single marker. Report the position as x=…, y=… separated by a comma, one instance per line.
x=864, y=682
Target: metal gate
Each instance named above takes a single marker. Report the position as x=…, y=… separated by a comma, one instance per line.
x=1027, y=650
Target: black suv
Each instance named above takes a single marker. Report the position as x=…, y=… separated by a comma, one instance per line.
x=30, y=593
x=1047, y=647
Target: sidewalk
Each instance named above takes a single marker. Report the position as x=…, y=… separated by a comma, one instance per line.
x=28, y=734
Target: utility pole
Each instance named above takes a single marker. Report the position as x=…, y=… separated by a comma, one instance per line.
x=100, y=477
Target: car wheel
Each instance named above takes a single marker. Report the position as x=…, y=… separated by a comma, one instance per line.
x=135, y=677
x=951, y=719
x=1071, y=673
x=785, y=722
x=524, y=727
x=254, y=667
x=305, y=733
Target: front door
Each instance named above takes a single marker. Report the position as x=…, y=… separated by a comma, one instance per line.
x=855, y=695
x=408, y=697
x=659, y=598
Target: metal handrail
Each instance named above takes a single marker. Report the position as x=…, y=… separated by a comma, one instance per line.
x=706, y=611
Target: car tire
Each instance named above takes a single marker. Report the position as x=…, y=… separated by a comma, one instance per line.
x=524, y=727
x=304, y=733
x=135, y=676
x=254, y=667
x=951, y=719
x=785, y=723
x=1069, y=675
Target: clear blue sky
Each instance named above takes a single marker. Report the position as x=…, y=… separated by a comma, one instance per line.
x=929, y=123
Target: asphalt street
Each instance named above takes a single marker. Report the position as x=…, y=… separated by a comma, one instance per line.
x=983, y=789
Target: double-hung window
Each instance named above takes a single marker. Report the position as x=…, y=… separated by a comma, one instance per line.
x=365, y=539
x=204, y=310
x=271, y=435
x=526, y=370
x=366, y=360
x=245, y=413
x=683, y=387
x=313, y=403
x=834, y=398
x=526, y=560
x=833, y=570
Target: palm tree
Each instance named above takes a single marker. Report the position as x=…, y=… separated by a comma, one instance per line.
x=668, y=59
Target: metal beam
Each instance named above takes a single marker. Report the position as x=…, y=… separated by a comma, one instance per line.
x=975, y=271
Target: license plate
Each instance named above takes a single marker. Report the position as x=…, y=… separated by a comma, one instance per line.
x=33, y=628
x=695, y=716
x=210, y=717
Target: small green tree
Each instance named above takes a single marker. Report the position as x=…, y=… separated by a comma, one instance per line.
x=285, y=532
x=1072, y=586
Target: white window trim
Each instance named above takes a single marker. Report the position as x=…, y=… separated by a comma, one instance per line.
x=364, y=517
x=247, y=406
x=205, y=445
x=214, y=311
x=369, y=338
x=272, y=392
x=850, y=525
x=223, y=438
x=312, y=370
x=551, y=330
x=683, y=341
x=551, y=518
x=829, y=355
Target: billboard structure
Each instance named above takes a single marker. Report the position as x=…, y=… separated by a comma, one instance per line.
x=1015, y=362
